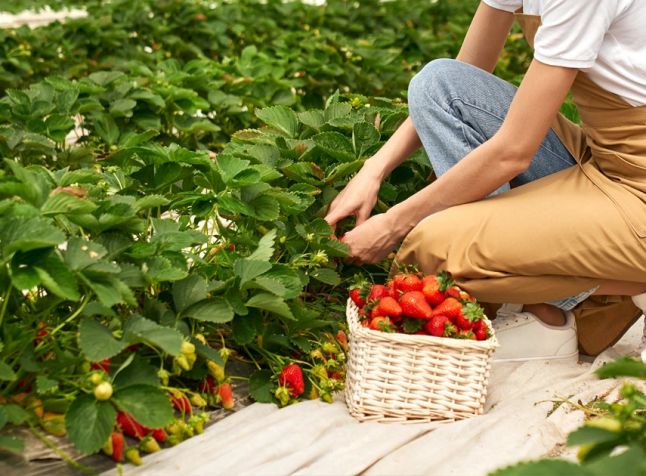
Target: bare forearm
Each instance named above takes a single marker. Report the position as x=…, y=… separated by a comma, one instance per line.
x=481, y=172
x=401, y=144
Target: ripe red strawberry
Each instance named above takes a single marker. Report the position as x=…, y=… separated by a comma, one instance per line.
x=355, y=295
x=130, y=426
x=413, y=304
x=408, y=282
x=450, y=308
x=181, y=403
x=102, y=365
x=386, y=306
x=392, y=291
x=480, y=330
x=118, y=444
x=159, y=434
x=381, y=323
x=342, y=339
x=226, y=396
x=292, y=377
x=436, y=326
x=471, y=313
x=377, y=291
x=432, y=291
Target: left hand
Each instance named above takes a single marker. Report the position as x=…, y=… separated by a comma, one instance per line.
x=373, y=240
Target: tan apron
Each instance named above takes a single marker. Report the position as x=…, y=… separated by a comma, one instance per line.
x=559, y=235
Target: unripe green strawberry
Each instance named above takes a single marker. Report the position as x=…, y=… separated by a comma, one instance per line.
x=201, y=338
x=216, y=370
x=282, y=395
x=182, y=362
x=107, y=448
x=133, y=455
x=175, y=440
x=96, y=378
x=149, y=445
x=224, y=354
x=187, y=348
x=197, y=400
x=163, y=376
x=103, y=391
x=329, y=348
x=605, y=423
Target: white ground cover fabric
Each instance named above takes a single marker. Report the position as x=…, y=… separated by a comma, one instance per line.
x=315, y=438
x=38, y=18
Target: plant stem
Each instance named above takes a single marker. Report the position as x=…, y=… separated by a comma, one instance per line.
x=86, y=299
x=66, y=457
x=5, y=303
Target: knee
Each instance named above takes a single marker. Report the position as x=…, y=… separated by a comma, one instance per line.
x=434, y=82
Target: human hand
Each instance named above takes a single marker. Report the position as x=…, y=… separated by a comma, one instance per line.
x=373, y=240
x=358, y=198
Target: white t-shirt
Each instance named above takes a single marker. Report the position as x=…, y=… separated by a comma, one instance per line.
x=604, y=38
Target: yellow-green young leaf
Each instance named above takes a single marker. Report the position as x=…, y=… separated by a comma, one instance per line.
x=543, y=468
x=624, y=367
x=89, y=423
x=149, y=405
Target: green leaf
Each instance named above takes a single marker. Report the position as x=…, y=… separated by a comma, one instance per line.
x=631, y=462
x=122, y=107
x=139, y=329
x=107, y=129
x=265, y=249
x=89, y=423
x=327, y=276
x=364, y=136
x=336, y=145
x=139, y=372
x=65, y=203
x=149, y=405
x=45, y=385
x=315, y=118
x=6, y=372
x=81, y=254
x=216, y=309
x=548, y=467
x=280, y=118
x=188, y=291
x=96, y=341
x=57, y=278
x=13, y=444
x=337, y=110
x=265, y=208
x=624, y=367
x=28, y=233
x=243, y=329
x=13, y=414
x=587, y=435
x=288, y=278
x=247, y=269
x=150, y=201
x=271, y=303
x=260, y=386
x=270, y=284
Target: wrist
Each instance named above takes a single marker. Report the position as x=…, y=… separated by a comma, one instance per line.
x=401, y=221
x=376, y=167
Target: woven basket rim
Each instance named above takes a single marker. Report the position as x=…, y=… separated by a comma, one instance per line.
x=352, y=312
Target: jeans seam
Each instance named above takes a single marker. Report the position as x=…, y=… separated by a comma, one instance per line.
x=501, y=119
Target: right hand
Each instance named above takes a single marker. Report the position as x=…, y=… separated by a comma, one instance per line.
x=358, y=198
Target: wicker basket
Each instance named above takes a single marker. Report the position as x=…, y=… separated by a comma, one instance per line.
x=415, y=378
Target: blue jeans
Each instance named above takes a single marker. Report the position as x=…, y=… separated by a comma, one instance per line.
x=455, y=107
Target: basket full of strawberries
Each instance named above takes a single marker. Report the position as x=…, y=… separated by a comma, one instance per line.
x=420, y=350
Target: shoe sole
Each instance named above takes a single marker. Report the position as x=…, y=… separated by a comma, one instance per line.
x=527, y=359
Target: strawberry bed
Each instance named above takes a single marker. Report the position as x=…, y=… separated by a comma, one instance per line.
x=165, y=167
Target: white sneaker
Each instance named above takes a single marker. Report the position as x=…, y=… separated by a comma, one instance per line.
x=640, y=302
x=522, y=336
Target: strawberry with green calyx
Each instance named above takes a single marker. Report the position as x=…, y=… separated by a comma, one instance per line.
x=381, y=323
x=386, y=306
x=435, y=287
x=197, y=400
x=471, y=313
x=413, y=304
x=437, y=325
x=377, y=291
x=103, y=365
x=480, y=330
x=450, y=330
x=450, y=308
x=216, y=370
x=342, y=339
x=291, y=377
x=149, y=445
x=465, y=334
x=355, y=295
x=404, y=283
x=282, y=395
